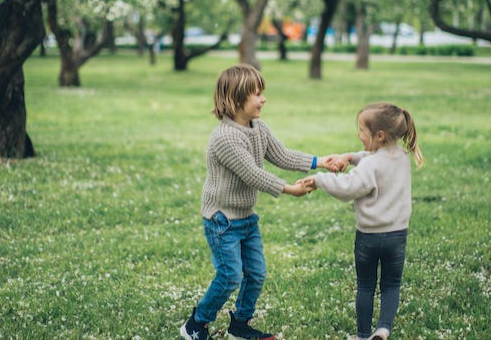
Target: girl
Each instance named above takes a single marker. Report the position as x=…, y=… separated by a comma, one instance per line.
x=380, y=186
x=236, y=152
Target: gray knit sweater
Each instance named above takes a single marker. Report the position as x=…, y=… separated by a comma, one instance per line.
x=235, y=168
x=380, y=186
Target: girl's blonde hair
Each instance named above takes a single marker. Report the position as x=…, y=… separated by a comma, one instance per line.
x=233, y=87
x=395, y=123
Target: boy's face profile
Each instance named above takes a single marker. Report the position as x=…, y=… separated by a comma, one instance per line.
x=252, y=107
x=238, y=94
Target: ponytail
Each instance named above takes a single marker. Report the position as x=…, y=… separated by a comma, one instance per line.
x=410, y=140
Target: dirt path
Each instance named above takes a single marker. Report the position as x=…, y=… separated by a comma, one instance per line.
x=351, y=57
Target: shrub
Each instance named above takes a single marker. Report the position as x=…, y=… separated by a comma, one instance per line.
x=443, y=50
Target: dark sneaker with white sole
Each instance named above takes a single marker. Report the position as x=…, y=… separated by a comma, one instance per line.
x=380, y=334
x=194, y=330
x=242, y=330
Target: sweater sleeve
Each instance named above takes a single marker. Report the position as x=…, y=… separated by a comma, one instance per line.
x=231, y=151
x=359, y=182
x=357, y=156
x=284, y=158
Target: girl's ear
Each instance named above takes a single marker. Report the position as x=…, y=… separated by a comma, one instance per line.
x=380, y=136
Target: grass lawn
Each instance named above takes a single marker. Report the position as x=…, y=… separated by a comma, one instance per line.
x=101, y=236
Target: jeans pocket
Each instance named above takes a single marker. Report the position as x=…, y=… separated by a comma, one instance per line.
x=215, y=228
x=220, y=223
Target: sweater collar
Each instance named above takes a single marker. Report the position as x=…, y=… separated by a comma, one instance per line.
x=253, y=130
x=393, y=150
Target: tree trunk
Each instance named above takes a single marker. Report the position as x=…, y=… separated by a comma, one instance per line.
x=180, y=62
x=141, y=35
x=110, y=42
x=74, y=51
x=363, y=31
x=151, y=54
x=338, y=32
x=439, y=22
x=252, y=17
x=422, y=32
x=13, y=119
x=282, y=38
x=247, y=48
x=350, y=19
x=182, y=56
x=478, y=20
x=21, y=25
x=69, y=72
x=42, y=49
x=394, y=37
x=318, y=47
x=305, y=35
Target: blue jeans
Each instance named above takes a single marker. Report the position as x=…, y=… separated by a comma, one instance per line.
x=390, y=250
x=237, y=255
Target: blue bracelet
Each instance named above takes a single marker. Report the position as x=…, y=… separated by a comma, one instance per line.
x=314, y=163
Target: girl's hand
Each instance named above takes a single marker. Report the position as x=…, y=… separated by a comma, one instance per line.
x=322, y=162
x=335, y=163
x=308, y=182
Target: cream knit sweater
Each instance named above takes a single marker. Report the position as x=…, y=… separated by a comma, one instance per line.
x=235, y=168
x=380, y=185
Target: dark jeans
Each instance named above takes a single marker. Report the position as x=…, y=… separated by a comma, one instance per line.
x=388, y=249
x=237, y=255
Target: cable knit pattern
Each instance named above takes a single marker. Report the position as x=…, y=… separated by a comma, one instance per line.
x=235, y=168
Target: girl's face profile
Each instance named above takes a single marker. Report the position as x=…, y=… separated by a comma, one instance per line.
x=364, y=133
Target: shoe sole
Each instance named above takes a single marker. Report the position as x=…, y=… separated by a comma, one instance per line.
x=233, y=337
x=184, y=333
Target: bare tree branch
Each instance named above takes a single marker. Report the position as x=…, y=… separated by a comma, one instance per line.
x=438, y=20
x=62, y=35
x=223, y=36
x=244, y=5
x=257, y=11
x=96, y=48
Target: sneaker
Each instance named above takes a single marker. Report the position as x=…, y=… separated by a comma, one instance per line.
x=194, y=330
x=354, y=337
x=242, y=330
x=380, y=334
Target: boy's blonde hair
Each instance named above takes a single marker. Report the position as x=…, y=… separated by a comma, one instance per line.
x=395, y=123
x=233, y=87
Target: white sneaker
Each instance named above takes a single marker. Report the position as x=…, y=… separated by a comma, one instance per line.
x=380, y=334
x=354, y=337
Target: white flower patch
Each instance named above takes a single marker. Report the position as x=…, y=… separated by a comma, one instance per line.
x=484, y=278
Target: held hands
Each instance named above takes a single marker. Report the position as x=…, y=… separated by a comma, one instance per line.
x=308, y=182
x=335, y=162
x=300, y=188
